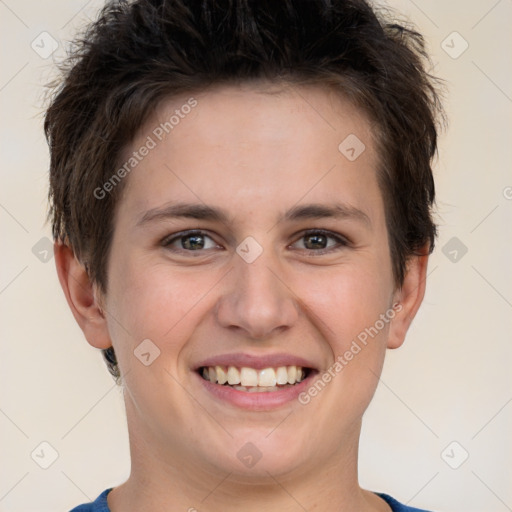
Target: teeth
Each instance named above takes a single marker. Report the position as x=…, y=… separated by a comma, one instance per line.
x=248, y=377
x=267, y=377
x=282, y=375
x=256, y=389
x=222, y=378
x=233, y=376
x=262, y=389
x=252, y=380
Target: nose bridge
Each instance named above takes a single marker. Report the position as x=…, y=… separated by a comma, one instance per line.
x=258, y=301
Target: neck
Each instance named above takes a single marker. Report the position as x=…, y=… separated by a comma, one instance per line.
x=161, y=480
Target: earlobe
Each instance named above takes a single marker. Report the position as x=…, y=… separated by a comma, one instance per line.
x=410, y=297
x=81, y=297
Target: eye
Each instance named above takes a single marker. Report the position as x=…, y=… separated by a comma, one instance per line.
x=318, y=241
x=190, y=241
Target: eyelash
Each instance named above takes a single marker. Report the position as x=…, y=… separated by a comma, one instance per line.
x=340, y=240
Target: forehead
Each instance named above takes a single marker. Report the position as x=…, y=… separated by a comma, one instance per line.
x=254, y=145
x=249, y=115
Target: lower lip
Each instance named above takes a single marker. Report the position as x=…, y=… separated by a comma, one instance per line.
x=257, y=401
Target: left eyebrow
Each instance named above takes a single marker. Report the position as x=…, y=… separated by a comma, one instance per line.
x=205, y=212
x=322, y=211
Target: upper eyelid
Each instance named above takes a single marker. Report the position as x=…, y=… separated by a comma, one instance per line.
x=325, y=232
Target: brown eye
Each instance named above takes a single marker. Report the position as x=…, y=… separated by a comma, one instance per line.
x=316, y=241
x=320, y=242
x=189, y=241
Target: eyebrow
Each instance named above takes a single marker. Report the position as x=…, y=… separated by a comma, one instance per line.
x=300, y=212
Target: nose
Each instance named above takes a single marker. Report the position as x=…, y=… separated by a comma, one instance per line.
x=259, y=301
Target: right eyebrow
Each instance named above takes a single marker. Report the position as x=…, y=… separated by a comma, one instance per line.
x=185, y=210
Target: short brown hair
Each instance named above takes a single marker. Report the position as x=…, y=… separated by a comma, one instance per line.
x=140, y=53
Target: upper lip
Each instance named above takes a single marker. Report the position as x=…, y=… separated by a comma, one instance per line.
x=257, y=362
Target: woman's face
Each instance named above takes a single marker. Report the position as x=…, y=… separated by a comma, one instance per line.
x=288, y=263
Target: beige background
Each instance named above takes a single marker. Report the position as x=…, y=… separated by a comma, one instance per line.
x=451, y=381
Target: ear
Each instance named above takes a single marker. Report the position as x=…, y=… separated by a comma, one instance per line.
x=82, y=298
x=409, y=298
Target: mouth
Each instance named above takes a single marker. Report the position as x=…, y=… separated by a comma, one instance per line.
x=254, y=380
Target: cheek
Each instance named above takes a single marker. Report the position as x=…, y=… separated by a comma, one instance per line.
x=347, y=301
x=153, y=302
x=349, y=306
x=153, y=316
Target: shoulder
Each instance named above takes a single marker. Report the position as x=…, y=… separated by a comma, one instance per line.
x=98, y=505
x=397, y=506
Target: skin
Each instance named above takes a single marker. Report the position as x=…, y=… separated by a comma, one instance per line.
x=255, y=151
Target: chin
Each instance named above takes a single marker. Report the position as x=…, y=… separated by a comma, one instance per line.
x=260, y=454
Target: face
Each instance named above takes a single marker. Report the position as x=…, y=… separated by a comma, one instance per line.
x=249, y=247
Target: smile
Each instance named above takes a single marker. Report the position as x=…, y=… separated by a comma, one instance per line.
x=254, y=380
